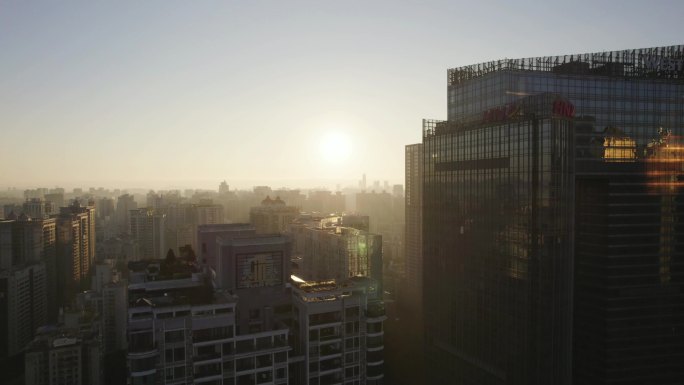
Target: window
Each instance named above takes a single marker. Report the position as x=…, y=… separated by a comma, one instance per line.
x=280, y=357
x=174, y=336
x=264, y=361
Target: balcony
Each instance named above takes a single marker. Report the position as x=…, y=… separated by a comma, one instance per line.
x=375, y=310
x=206, y=357
x=214, y=334
x=206, y=371
x=329, y=350
x=330, y=337
x=142, y=350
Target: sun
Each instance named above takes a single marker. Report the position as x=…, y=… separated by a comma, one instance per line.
x=335, y=147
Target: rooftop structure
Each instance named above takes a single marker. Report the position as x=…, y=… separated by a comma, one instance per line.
x=657, y=62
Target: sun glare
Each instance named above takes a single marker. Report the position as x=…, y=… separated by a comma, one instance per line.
x=336, y=147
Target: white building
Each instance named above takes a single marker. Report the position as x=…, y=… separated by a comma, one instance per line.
x=340, y=331
x=181, y=332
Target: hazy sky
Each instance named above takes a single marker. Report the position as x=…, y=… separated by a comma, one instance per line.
x=174, y=93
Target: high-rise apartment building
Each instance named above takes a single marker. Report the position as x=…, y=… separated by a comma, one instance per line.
x=260, y=261
x=75, y=238
x=25, y=240
x=338, y=329
x=208, y=236
x=180, y=330
x=325, y=202
x=63, y=356
x=37, y=208
x=273, y=216
x=550, y=203
x=379, y=207
x=27, y=279
x=124, y=204
x=330, y=250
x=57, y=200
x=23, y=305
x=149, y=229
x=249, y=322
x=209, y=213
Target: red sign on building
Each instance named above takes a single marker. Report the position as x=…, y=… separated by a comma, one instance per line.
x=563, y=108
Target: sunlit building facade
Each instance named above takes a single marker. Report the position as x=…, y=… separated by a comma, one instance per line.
x=338, y=330
x=331, y=250
x=551, y=203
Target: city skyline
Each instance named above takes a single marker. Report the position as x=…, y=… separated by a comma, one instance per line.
x=156, y=93
x=253, y=192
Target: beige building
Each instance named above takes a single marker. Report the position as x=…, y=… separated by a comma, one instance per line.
x=272, y=216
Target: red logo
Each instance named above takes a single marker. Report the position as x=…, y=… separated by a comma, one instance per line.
x=563, y=108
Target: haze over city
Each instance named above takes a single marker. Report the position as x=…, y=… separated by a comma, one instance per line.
x=341, y=192
x=161, y=94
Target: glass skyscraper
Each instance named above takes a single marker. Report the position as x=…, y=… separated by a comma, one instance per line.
x=551, y=236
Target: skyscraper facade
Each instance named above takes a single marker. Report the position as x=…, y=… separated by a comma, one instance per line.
x=550, y=203
x=414, y=225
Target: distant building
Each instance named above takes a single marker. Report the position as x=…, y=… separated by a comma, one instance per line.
x=23, y=305
x=223, y=188
x=149, y=228
x=75, y=249
x=272, y=216
x=124, y=204
x=112, y=294
x=378, y=206
x=89, y=210
x=63, y=356
x=208, y=236
x=209, y=213
x=25, y=241
x=56, y=198
x=330, y=250
x=325, y=202
x=253, y=262
x=37, y=208
x=398, y=190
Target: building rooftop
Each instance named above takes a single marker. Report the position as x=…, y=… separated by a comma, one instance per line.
x=329, y=290
x=266, y=239
x=224, y=227
x=634, y=63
